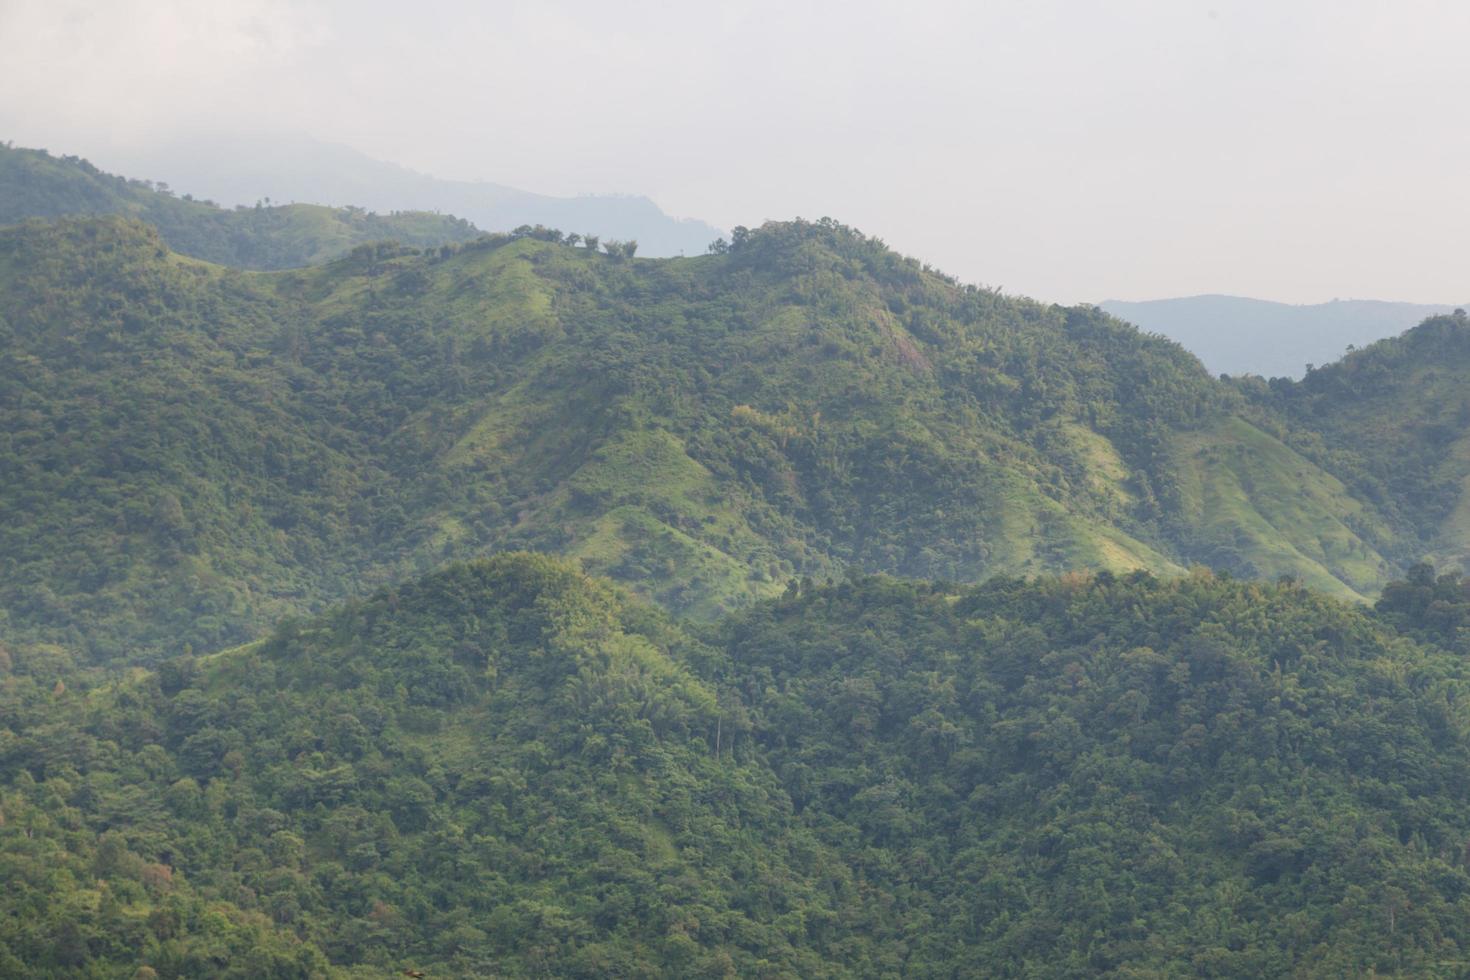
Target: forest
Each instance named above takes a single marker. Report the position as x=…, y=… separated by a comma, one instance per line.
x=801, y=402
x=509, y=768
x=377, y=595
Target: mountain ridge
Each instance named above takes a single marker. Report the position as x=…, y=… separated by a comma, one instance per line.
x=704, y=429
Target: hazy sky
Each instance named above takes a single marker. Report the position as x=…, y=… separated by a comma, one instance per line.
x=1064, y=149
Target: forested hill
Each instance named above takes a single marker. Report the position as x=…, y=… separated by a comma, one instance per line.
x=507, y=768
x=35, y=184
x=192, y=451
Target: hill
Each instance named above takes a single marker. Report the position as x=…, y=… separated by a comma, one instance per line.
x=508, y=768
x=35, y=184
x=803, y=403
x=1235, y=335
x=281, y=167
x=704, y=429
x=1394, y=419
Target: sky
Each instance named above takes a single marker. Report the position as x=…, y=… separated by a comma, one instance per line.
x=1296, y=150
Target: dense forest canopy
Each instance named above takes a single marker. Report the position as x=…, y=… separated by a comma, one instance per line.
x=508, y=768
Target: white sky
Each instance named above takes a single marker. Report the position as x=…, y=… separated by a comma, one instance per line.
x=1296, y=150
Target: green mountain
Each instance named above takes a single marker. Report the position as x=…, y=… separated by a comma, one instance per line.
x=508, y=769
x=35, y=184
x=194, y=451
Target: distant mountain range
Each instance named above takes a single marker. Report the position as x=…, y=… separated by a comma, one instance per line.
x=1237, y=335
x=285, y=169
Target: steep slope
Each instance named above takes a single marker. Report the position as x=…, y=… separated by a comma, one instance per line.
x=1252, y=505
x=1236, y=335
x=197, y=451
x=505, y=768
x=1393, y=420
x=34, y=184
x=238, y=170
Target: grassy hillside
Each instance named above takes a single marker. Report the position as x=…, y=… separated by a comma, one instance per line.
x=1393, y=420
x=1253, y=505
x=197, y=451
x=507, y=768
x=34, y=184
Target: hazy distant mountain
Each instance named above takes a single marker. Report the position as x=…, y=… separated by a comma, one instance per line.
x=1236, y=335
x=244, y=170
x=35, y=184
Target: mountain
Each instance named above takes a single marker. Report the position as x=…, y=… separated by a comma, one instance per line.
x=505, y=768
x=193, y=452
x=1235, y=335
x=704, y=429
x=35, y=184
x=242, y=171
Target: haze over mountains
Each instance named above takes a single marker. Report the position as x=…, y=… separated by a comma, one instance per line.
x=1236, y=335
x=285, y=168
x=330, y=186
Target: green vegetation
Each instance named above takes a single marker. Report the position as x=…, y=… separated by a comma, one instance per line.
x=507, y=768
x=1392, y=419
x=35, y=184
x=1253, y=504
x=193, y=452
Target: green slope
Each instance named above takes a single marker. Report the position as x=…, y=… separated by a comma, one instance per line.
x=1255, y=506
x=194, y=451
x=1393, y=418
x=35, y=184
x=508, y=769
